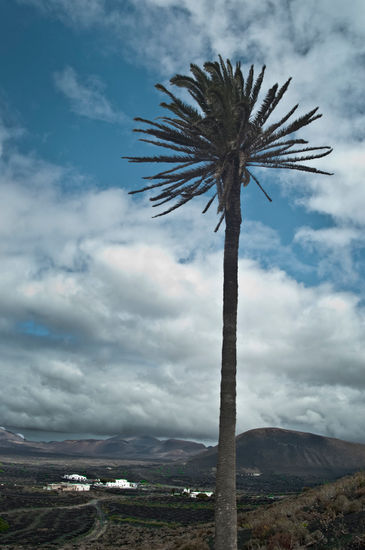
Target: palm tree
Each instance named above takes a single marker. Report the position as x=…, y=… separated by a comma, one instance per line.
x=214, y=148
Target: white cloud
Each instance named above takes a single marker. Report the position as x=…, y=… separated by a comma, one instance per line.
x=111, y=321
x=319, y=44
x=338, y=249
x=134, y=309
x=342, y=196
x=87, y=99
x=330, y=237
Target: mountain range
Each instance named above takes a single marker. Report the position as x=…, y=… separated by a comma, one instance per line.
x=130, y=448
x=260, y=451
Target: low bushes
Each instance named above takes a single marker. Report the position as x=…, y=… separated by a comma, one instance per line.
x=4, y=526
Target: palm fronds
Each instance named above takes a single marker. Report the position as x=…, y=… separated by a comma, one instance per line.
x=224, y=135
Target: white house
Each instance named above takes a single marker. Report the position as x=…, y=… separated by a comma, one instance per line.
x=121, y=484
x=75, y=477
x=76, y=487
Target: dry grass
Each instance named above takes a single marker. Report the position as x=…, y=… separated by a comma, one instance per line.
x=328, y=515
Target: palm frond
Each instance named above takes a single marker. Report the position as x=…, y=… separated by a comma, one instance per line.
x=257, y=87
x=239, y=80
x=259, y=185
x=265, y=106
x=268, y=157
x=178, y=148
x=288, y=142
x=249, y=82
x=277, y=99
x=209, y=203
x=271, y=129
x=177, y=205
x=290, y=166
x=160, y=158
x=220, y=222
x=170, y=136
x=161, y=175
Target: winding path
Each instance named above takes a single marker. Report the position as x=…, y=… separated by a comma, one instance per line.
x=98, y=529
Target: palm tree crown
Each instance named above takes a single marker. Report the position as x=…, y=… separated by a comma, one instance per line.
x=224, y=130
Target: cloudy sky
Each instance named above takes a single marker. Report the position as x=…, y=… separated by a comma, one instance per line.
x=110, y=321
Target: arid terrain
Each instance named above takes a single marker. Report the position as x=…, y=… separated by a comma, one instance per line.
x=275, y=512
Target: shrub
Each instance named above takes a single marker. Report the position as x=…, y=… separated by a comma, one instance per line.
x=360, y=492
x=4, y=526
x=341, y=504
x=354, y=507
x=202, y=496
x=280, y=541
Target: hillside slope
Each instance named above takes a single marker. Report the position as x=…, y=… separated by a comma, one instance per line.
x=278, y=451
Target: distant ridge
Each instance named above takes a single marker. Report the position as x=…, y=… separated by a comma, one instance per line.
x=278, y=451
x=262, y=450
x=131, y=448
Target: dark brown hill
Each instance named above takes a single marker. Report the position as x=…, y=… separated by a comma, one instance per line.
x=277, y=451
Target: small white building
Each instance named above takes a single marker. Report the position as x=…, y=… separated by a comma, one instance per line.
x=75, y=477
x=76, y=487
x=121, y=484
x=251, y=472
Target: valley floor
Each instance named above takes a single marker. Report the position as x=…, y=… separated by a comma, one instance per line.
x=331, y=516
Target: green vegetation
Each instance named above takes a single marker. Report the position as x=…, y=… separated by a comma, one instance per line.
x=4, y=526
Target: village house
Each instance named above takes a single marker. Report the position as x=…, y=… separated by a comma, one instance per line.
x=76, y=487
x=121, y=484
x=75, y=477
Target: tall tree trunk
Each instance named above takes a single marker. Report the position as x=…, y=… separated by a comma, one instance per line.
x=225, y=495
